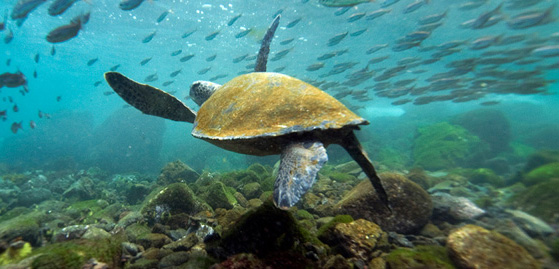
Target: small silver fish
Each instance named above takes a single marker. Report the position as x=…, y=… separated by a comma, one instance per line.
x=342, y=3
x=130, y=4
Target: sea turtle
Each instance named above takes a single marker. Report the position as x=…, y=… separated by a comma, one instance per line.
x=263, y=113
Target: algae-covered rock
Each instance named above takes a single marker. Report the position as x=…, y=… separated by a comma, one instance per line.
x=252, y=190
x=357, y=239
x=541, y=158
x=217, y=195
x=475, y=247
x=490, y=125
x=411, y=205
x=435, y=257
x=33, y=196
x=26, y=227
x=541, y=174
x=175, y=172
x=83, y=189
x=261, y=231
x=173, y=199
x=540, y=200
x=443, y=145
x=15, y=252
x=483, y=176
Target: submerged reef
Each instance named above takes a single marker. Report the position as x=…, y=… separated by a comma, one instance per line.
x=181, y=218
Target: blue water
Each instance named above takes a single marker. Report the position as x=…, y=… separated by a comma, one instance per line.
x=115, y=37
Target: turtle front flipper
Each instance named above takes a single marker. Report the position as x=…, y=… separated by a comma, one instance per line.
x=148, y=99
x=299, y=166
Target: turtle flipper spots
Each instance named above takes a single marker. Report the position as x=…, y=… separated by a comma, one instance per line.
x=300, y=163
x=150, y=100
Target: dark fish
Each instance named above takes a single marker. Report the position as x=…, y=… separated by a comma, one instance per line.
x=15, y=108
x=9, y=36
x=277, y=13
x=211, y=58
x=92, y=61
x=376, y=48
x=52, y=51
x=32, y=124
x=3, y=113
x=149, y=37
x=187, y=34
x=484, y=18
x=484, y=42
x=211, y=36
x=167, y=83
x=472, y=5
x=175, y=73
x=130, y=4
x=40, y=114
x=145, y=61
x=243, y=33
x=220, y=76
x=358, y=32
x=114, y=68
x=176, y=52
x=37, y=56
x=186, y=58
x=12, y=80
x=162, y=16
x=432, y=18
x=97, y=83
x=405, y=46
x=531, y=19
x=341, y=11
x=234, y=19
x=35, y=74
x=489, y=103
x=68, y=31
x=204, y=71
x=240, y=58
x=16, y=126
x=3, y=23
x=378, y=13
x=280, y=54
x=251, y=58
x=60, y=6
x=415, y=5
x=356, y=16
x=151, y=78
x=293, y=22
x=401, y=101
x=429, y=27
x=342, y=3
x=337, y=39
x=58, y=98
x=107, y=93
x=378, y=59
x=23, y=7
x=314, y=67
x=286, y=41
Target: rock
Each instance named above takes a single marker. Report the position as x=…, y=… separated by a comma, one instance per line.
x=70, y=233
x=217, y=195
x=175, y=172
x=419, y=176
x=33, y=196
x=153, y=240
x=136, y=193
x=509, y=229
x=491, y=125
x=484, y=176
x=25, y=226
x=442, y=145
x=174, y=259
x=530, y=224
x=252, y=190
x=337, y=262
x=540, y=200
x=83, y=189
x=435, y=257
x=454, y=209
x=351, y=168
x=254, y=203
x=174, y=199
x=242, y=260
x=130, y=218
x=241, y=199
x=475, y=247
x=541, y=174
x=411, y=205
x=94, y=233
x=358, y=239
x=183, y=244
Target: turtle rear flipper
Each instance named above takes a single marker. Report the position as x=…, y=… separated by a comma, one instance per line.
x=299, y=166
x=262, y=58
x=148, y=99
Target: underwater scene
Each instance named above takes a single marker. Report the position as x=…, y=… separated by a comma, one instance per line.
x=279, y=134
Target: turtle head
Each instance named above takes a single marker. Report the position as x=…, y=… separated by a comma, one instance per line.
x=201, y=90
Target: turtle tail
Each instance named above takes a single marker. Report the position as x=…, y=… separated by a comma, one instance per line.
x=262, y=58
x=353, y=147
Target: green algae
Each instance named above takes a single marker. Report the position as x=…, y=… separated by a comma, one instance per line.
x=13, y=255
x=217, y=195
x=341, y=177
x=337, y=219
x=419, y=257
x=444, y=145
x=541, y=174
x=540, y=200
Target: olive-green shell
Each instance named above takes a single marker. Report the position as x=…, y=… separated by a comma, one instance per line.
x=269, y=104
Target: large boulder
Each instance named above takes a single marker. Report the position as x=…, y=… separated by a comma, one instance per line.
x=475, y=247
x=411, y=204
x=540, y=200
x=443, y=145
x=490, y=125
x=177, y=171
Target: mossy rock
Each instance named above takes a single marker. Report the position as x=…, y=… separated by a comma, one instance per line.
x=540, y=200
x=173, y=199
x=217, y=195
x=443, y=145
x=136, y=231
x=541, y=158
x=434, y=257
x=482, y=176
x=13, y=255
x=541, y=174
x=490, y=125
x=303, y=214
x=75, y=253
x=176, y=172
x=237, y=178
x=393, y=159
x=324, y=229
x=555, y=250
x=26, y=226
x=17, y=179
x=261, y=170
x=252, y=190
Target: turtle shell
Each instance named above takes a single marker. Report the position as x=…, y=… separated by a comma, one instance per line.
x=265, y=104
